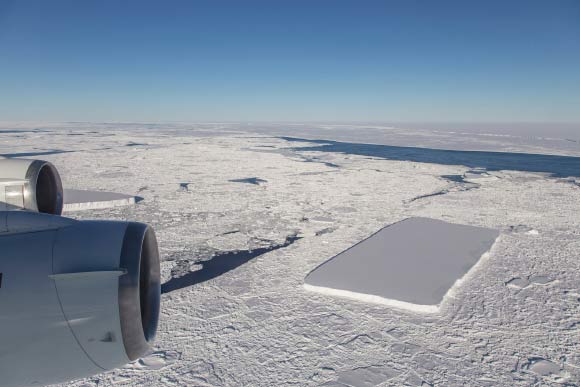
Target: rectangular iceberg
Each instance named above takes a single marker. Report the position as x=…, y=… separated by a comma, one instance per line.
x=411, y=264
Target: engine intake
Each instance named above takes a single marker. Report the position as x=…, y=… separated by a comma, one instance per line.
x=139, y=289
x=33, y=185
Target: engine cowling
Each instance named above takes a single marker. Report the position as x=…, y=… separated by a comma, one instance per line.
x=33, y=185
x=77, y=298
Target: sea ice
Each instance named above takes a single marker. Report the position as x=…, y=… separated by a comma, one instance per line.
x=254, y=325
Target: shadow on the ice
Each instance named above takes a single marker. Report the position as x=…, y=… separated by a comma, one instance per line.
x=220, y=264
x=557, y=166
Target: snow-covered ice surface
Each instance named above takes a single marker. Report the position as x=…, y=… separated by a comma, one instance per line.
x=514, y=322
x=411, y=264
x=82, y=200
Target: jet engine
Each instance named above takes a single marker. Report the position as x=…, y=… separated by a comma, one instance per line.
x=33, y=185
x=77, y=298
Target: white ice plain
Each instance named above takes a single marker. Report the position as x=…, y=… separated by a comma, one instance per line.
x=513, y=322
x=411, y=264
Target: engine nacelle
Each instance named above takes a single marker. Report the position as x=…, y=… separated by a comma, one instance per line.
x=77, y=298
x=32, y=185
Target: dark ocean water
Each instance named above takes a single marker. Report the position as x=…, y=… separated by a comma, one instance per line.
x=556, y=166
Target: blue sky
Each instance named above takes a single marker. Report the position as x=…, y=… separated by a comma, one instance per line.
x=290, y=60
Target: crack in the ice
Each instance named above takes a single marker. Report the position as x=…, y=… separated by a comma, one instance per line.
x=438, y=193
x=458, y=182
x=35, y=154
x=317, y=160
x=249, y=180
